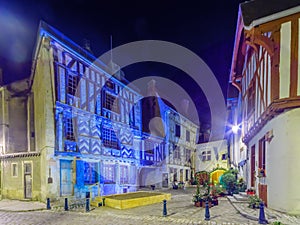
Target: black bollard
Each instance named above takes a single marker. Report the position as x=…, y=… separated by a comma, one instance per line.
x=48, y=203
x=103, y=201
x=262, y=218
x=66, y=204
x=87, y=205
x=207, y=215
x=165, y=208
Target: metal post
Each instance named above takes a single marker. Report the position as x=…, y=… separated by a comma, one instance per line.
x=103, y=201
x=87, y=205
x=48, y=203
x=66, y=204
x=165, y=208
x=262, y=218
x=207, y=215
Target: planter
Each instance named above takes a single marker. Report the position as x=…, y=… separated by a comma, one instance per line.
x=215, y=202
x=198, y=204
x=250, y=192
x=209, y=204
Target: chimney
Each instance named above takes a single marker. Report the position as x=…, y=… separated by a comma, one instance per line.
x=87, y=45
x=152, y=88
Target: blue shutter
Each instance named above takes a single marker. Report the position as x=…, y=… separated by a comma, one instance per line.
x=79, y=173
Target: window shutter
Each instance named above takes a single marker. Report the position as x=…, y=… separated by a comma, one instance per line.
x=79, y=173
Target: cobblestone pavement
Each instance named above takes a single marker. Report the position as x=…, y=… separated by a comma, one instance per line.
x=271, y=215
x=180, y=211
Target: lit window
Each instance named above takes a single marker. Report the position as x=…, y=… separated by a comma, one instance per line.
x=206, y=155
x=108, y=173
x=111, y=103
x=124, y=174
x=69, y=130
x=14, y=169
x=109, y=138
x=72, y=83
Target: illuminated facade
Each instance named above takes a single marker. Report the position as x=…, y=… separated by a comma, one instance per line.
x=83, y=130
x=265, y=70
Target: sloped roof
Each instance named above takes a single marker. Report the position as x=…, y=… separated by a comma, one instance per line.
x=256, y=9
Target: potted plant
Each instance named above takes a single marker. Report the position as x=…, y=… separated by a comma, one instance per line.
x=251, y=191
x=261, y=173
x=208, y=198
x=254, y=202
x=197, y=198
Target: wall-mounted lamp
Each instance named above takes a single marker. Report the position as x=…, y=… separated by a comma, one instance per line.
x=269, y=136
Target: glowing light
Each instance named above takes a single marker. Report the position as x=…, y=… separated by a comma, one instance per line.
x=235, y=129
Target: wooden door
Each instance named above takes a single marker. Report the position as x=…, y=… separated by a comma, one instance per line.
x=27, y=181
x=252, y=169
x=263, y=193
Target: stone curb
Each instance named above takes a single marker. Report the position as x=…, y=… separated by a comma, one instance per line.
x=241, y=212
x=21, y=210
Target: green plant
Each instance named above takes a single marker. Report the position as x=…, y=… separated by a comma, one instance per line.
x=197, y=196
x=277, y=223
x=229, y=181
x=254, y=201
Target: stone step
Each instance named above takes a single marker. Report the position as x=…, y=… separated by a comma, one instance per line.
x=234, y=200
x=244, y=194
x=96, y=203
x=99, y=198
x=239, y=197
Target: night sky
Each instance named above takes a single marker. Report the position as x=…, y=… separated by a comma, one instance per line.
x=205, y=27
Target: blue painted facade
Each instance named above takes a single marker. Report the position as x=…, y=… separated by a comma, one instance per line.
x=90, y=128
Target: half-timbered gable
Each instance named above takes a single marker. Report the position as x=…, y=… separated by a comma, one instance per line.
x=265, y=70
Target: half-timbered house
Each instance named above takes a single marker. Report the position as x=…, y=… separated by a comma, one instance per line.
x=75, y=127
x=266, y=71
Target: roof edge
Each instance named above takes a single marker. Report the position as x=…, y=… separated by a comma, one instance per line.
x=272, y=17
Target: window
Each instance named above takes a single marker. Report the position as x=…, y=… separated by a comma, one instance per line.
x=188, y=155
x=69, y=130
x=109, y=138
x=262, y=154
x=149, y=147
x=224, y=157
x=14, y=168
x=206, y=155
x=251, y=98
x=90, y=173
x=177, y=130
x=108, y=173
x=27, y=168
x=111, y=103
x=176, y=152
x=187, y=136
x=124, y=174
x=72, y=83
x=109, y=84
x=186, y=175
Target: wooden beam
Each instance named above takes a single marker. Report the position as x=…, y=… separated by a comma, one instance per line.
x=275, y=64
x=294, y=58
